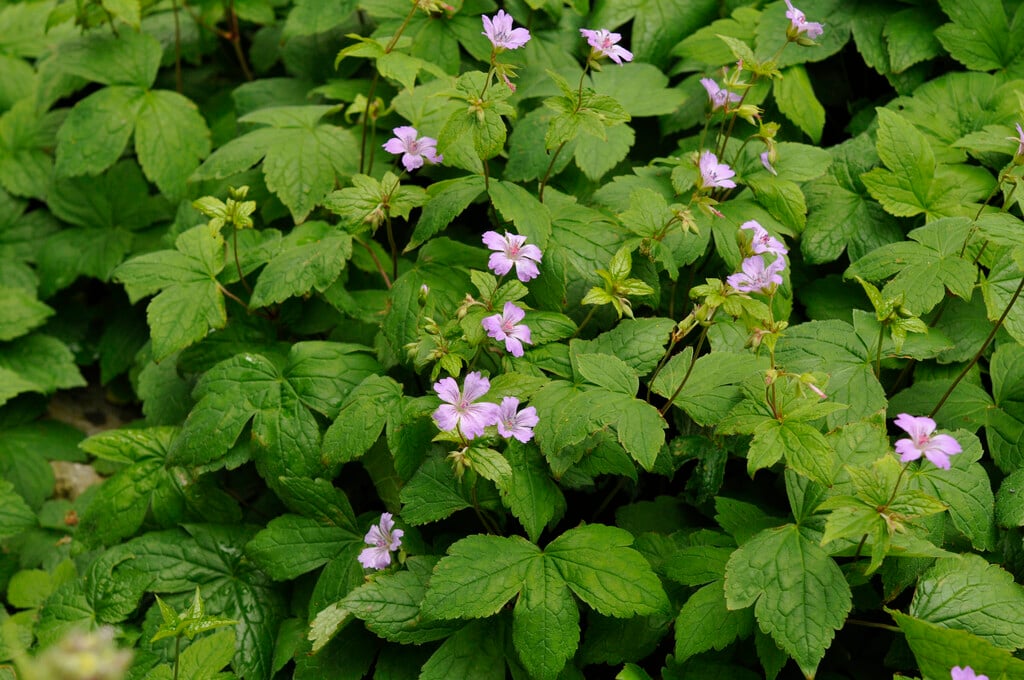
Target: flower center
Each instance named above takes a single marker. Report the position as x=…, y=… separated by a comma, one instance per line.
x=513, y=250
x=507, y=325
x=922, y=439
x=413, y=147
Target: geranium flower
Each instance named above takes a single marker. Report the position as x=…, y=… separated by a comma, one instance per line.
x=762, y=241
x=713, y=173
x=513, y=423
x=1019, y=139
x=604, y=44
x=413, y=150
x=766, y=161
x=936, y=448
x=719, y=96
x=460, y=411
x=512, y=250
x=501, y=34
x=799, y=23
x=506, y=326
x=383, y=538
x=756, y=277
x=965, y=673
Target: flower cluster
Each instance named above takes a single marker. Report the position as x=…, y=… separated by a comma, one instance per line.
x=413, y=149
x=382, y=538
x=756, y=276
x=937, y=448
x=471, y=419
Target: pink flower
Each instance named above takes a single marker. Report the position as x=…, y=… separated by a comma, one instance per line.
x=936, y=448
x=460, y=411
x=965, y=673
x=501, y=34
x=762, y=241
x=1019, y=139
x=504, y=327
x=413, y=150
x=516, y=424
x=719, y=96
x=798, y=22
x=767, y=163
x=714, y=174
x=755, y=277
x=383, y=538
x=512, y=250
x=604, y=44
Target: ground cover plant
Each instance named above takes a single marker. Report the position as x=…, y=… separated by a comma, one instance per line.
x=660, y=338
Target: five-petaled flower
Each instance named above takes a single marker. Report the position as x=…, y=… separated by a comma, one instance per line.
x=719, y=96
x=459, y=411
x=605, y=44
x=413, y=150
x=506, y=326
x=965, y=673
x=798, y=23
x=714, y=174
x=936, y=448
x=756, y=277
x=499, y=31
x=513, y=423
x=762, y=241
x=512, y=249
x=383, y=538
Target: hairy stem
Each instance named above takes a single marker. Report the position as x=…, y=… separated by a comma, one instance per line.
x=689, y=369
x=376, y=261
x=547, y=173
x=394, y=249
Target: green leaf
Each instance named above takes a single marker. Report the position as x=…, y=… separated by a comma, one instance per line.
x=309, y=16
x=980, y=36
x=607, y=371
x=532, y=496
x=640, y=343
x=796, y=100
x=994, y=608
x=96, y=132
x=36, y=363
x=205, y=657
x=130, y=58
x=545, y=621
x=171, y=138
x=20, y=312
x=782, y=198
x=478, y=576
x=15, y=514
x=432, y=493
x=361, y=418
x=130, y=12
x=938, y=648
x=966, y=489
x=642, y=89
x=476, y=651
x=291, y=546
x=706, y=623
x=600, y=567
x=446, y=201
x=805, y=448
x=659, y=24
x=998, y=288
x=713, y=387
x=531, y=217
x=903, y=189
x=190, y=302
x=311, y=256
x=596, y=156
x=26, y=149
x=909, y=35
x=801, y=595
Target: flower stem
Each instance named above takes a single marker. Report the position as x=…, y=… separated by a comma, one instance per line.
x=547, y=174
x=586, y=320
x=238, y=264
x=693, y=360
x=878, y=351
x=981, y=350
x=376, y=261
x=394, y=248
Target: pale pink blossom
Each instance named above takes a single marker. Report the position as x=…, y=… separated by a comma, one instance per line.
x=936, y=448
x=714, y=174
x=799, y=23
x=762, y=241
x=965, y=673
x=459, y=411
x=506, y=326
x=513, y=423
x=719, y=96
x=767, y=162
x=383, y=538
x=512, y=249
x=413, y=150
x=499, y=31
x=756, y=277
x=605, y=42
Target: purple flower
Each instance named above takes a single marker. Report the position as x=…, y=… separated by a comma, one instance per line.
x=713, y=173
x=518, y=424
x=767, y=162
x=1019, y=139
x=762, y=241
x=506, y=326
x=755, y=277
x=460, y=411
x=936, y=448
x=965, y=673
x=512, y=251
x=413, y=150
x=799, y=23
x=719, y=96
x=501, y=34
x=604, y=43
x=383, y=538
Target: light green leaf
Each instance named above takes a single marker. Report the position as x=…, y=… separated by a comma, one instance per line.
x=311, y=16
x=129, y=58
x=938, y=648
x=797, y=101
x=713, y=387
x=446, y=201
x=545, y=622
x=26, y=148
x=642, y=89
x=1010, y=501
x=36, y=363
x=805, y=448
x=782, y=198
x=640, y=343
x=998, y=289
x=96, y=132
x=801, y=595
x=980, y=36
x=596, y=156
x=20, y=312
x=291, y=546
x=904, y=188
x=607, y=371
x=432, y=493
x=531, y=217
x=130, y=12
x=532, y=496
x=15, y=514
x=479, y=575
x=705, y=622
x=204, y=658
x=171, y=138
x=968, y=593
x=476, y=651
x=361, y=418
x=600, y=567
x=311, y=256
